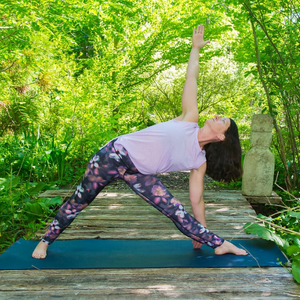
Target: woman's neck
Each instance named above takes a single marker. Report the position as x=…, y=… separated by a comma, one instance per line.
x=204, y=138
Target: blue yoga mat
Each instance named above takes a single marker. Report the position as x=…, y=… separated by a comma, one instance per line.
x=116, y=254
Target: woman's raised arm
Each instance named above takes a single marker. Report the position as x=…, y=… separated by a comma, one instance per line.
x=189, y=95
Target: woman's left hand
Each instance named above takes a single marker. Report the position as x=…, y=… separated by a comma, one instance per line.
x=197, y=245
x=198, y=37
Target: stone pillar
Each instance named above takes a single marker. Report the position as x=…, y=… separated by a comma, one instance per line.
x=259, y=162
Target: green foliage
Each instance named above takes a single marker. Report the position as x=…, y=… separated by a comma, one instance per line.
x=266, y=234
x=75, y=74
x=22, y=213
x=271, y=32
x=35, y=158
x=223, y=89
x=284, y=231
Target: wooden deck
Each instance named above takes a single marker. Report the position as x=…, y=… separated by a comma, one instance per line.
x=123, y=215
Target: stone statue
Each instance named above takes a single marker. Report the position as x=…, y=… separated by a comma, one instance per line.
x=259, y=162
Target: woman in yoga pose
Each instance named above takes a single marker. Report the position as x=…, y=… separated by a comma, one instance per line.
x=176, y=145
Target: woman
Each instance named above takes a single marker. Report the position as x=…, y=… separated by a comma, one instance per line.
x=176, y=145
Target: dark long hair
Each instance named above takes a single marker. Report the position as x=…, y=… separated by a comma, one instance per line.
x=223, y=159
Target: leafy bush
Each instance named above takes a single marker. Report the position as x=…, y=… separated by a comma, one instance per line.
x=284, y=231
x=36, y=157
x=22, y=213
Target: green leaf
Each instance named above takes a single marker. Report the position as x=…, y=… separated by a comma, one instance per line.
x=35, y=208
x=296, y=240
x=292, y=250
x=296, y=269
x=295, y=214
x=36, y=189
x=266, y=234
x=52, y=201
x=10, y=182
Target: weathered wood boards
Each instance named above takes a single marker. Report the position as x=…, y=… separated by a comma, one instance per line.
x=122, y=214
x=117, y=215
x=245, y=283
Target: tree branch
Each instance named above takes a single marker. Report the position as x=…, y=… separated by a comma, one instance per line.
x=3, y=70
x=262, y=26
x=8, y=35
x=279, y=135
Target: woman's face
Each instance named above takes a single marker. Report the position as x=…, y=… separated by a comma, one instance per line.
x=218, y=125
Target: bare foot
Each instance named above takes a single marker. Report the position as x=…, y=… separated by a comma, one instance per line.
x=40, y=251
x=227, y=247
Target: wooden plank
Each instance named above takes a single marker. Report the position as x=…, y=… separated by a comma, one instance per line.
x=139, y=234
x=208, y=195
x=156, y=221
x=143, y=214
x=140, y=215
x=98, y=204
x=111, y=222
x=183, y=283
x=270, y=200
x=131, y=235
x=157, y=292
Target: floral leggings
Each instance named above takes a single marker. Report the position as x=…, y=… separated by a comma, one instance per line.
x=109, y=164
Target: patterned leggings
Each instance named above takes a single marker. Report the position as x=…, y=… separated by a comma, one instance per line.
x=109, y=164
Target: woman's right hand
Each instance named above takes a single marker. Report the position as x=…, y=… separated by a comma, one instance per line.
x=197, y=245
